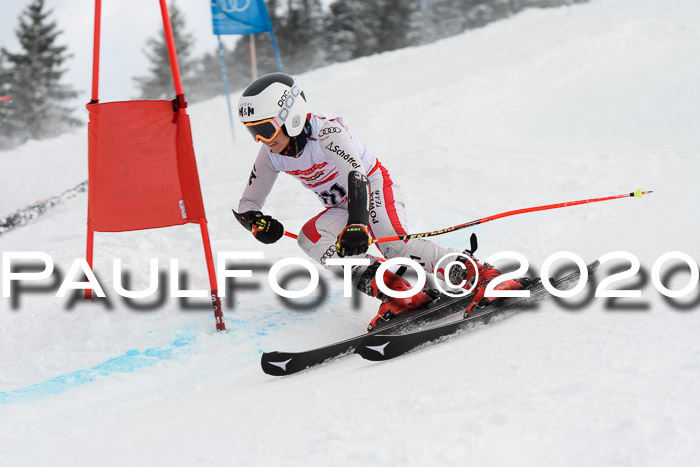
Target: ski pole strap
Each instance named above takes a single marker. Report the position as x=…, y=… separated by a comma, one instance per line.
x=434, y=233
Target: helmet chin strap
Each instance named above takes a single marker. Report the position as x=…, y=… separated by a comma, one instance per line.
x=297, y=143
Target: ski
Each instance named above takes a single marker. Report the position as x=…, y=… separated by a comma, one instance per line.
x=287, y=363
x=384, y=346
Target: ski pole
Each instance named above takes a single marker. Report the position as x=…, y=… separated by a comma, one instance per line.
x=637, y=193
x=295, y=236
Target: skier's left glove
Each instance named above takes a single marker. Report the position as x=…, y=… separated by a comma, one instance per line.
x=353, y=240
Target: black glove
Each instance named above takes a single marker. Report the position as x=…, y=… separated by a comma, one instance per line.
x=353, y=240
x=265, y=228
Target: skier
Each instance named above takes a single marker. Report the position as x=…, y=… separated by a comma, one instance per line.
x=359, y=195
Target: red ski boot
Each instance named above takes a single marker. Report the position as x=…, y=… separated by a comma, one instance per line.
x=486, y=273
x=392, y=306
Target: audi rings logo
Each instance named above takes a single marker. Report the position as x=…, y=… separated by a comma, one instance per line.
x=329, y=130
x=327, y=255
x=233, y=6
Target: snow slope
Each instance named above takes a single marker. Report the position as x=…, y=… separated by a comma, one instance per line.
x=548, y=106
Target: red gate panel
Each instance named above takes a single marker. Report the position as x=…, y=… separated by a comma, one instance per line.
x=142, y=168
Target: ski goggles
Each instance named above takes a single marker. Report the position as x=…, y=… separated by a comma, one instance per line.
x=264, y=130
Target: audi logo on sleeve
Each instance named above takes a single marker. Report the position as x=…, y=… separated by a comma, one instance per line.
x=327, y=131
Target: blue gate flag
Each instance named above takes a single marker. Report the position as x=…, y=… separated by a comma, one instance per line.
x=240, y=16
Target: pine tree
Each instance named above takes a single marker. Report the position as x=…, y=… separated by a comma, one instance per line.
x=209, y=80
x=159, y=84
x=357, y=28
x=351, y=29
x=5, y=106
x=299, y=34
x=446, y=18
x=32, y=77
x=400, y=24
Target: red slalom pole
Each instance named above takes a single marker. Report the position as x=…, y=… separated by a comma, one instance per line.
x=96, y=52
x=172, y=56
x=483, y=220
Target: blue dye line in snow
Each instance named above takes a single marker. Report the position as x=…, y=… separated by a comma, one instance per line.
x=132, y=360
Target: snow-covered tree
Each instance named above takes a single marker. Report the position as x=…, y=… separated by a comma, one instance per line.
x=5, y=106
x=299, y=31
x=400, y=24
x=159, y=83
x=356, y=28
x=32, y=77
x=209, y=80
x=351, y=29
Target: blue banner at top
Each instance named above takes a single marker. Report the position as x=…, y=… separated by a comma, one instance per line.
x=240, y=16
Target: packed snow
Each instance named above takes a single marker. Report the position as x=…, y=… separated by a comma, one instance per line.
x=549, y=106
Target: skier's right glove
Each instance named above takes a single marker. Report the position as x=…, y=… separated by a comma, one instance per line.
x=264, y=228
x=353, y=240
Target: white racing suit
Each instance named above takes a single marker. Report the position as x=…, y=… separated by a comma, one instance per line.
x=331, y=152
